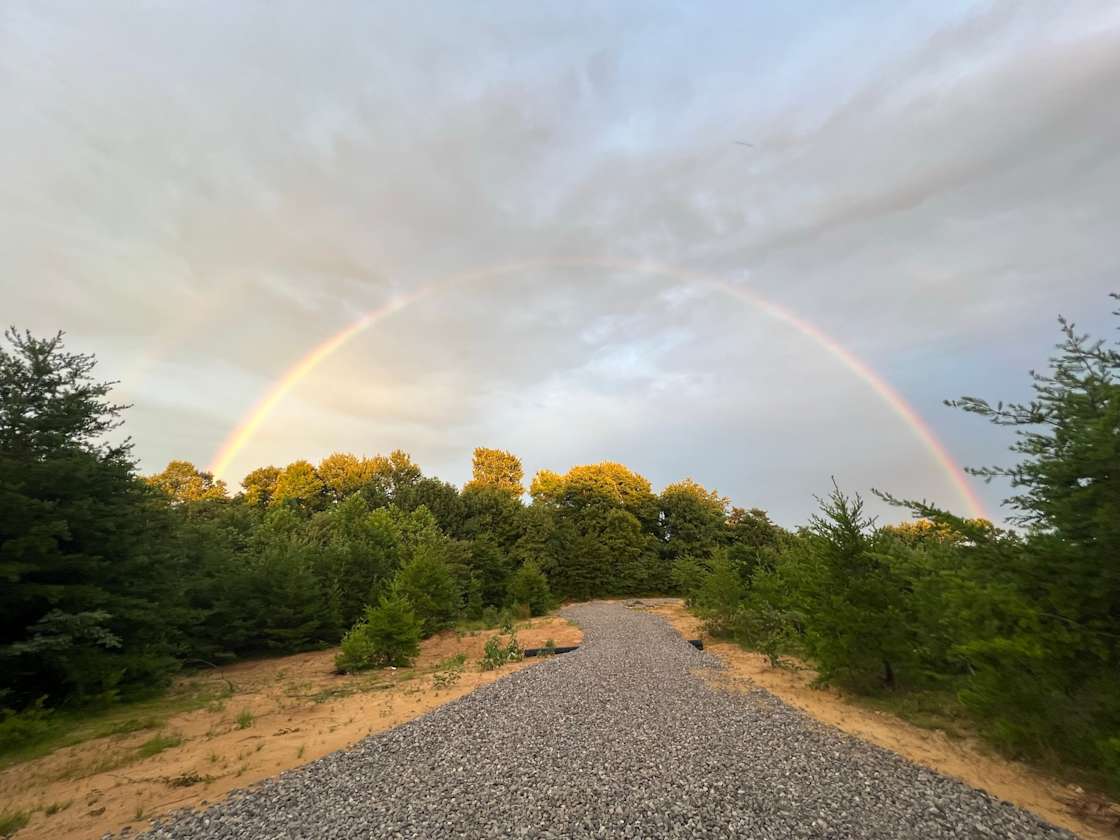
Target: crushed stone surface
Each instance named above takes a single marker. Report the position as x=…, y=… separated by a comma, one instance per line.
x=617, y=739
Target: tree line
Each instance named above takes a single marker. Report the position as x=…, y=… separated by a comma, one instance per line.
x=113, y=581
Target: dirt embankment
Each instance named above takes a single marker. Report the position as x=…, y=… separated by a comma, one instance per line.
x=968, y=760
x=273, y=715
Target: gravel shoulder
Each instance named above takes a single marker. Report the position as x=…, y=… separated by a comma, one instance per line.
x=961, y=755
x=622, y=739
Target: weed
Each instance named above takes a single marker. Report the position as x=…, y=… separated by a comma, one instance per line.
x=12, y=821
x=300, y=751
x=56, y=807
x=449, y=671
x=214, y=758
x=156, y=745
x=186, y=779
x=130, y=725
x=140, y=813
x=495, y=654
x=245, y=719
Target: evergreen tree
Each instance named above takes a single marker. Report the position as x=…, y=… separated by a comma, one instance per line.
x=429, y=585
x=91, y=602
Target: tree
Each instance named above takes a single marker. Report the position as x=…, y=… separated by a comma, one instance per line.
x=536, y=542
x=490, y=568
x=91, y=603
x=358, y=554
x=490, y=511
x=396, y=473
x=182, y=482
x=751, y=540
x=426, y=581
x=529, y=586
x=298, y=486
x=604, y=517
x=692, y=517
x=692, y=520
x=720, y=593
x=609, y=484
x=278, y=596
x=259, y=486
x=547, y=489
x=344, y=474
x=49, y=402
x=1036, y=618
x=859, y=634
x=440, y=497
x=498, y=470
x=921, y=532
x=413, y=529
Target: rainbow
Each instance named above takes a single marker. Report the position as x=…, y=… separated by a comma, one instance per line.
x=247, y=428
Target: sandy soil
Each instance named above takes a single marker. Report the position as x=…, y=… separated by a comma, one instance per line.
x=1063, y=805
x=300, y=710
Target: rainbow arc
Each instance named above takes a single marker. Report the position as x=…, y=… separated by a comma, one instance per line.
x=251, y=423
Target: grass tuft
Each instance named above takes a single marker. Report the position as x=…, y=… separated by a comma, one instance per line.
x=156, y=745
x=12, y=821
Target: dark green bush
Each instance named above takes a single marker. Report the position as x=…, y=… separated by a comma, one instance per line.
x=529, y=586
x=23, y=729
x=388, y=635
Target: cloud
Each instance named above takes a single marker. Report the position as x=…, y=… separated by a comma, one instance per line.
x=203, y=197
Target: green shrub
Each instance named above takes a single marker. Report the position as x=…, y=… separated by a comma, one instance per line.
x=22, y=729
x=388, y=635
x=529, y=587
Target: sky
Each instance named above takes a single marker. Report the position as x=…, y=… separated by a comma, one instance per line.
x=204, y=193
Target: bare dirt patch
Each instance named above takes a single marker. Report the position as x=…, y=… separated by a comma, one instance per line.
x=965, y=759
x=280, y=713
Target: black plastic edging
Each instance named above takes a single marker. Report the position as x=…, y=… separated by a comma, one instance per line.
x=697, y=643
x=545, y=651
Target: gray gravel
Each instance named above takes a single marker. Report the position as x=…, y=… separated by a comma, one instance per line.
x=618, y=739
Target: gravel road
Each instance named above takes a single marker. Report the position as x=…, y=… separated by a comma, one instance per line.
x=618, y=739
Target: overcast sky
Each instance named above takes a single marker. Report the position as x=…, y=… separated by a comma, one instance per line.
x=201, y=193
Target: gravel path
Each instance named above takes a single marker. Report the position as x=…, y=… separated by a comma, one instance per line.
x=618, y=739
